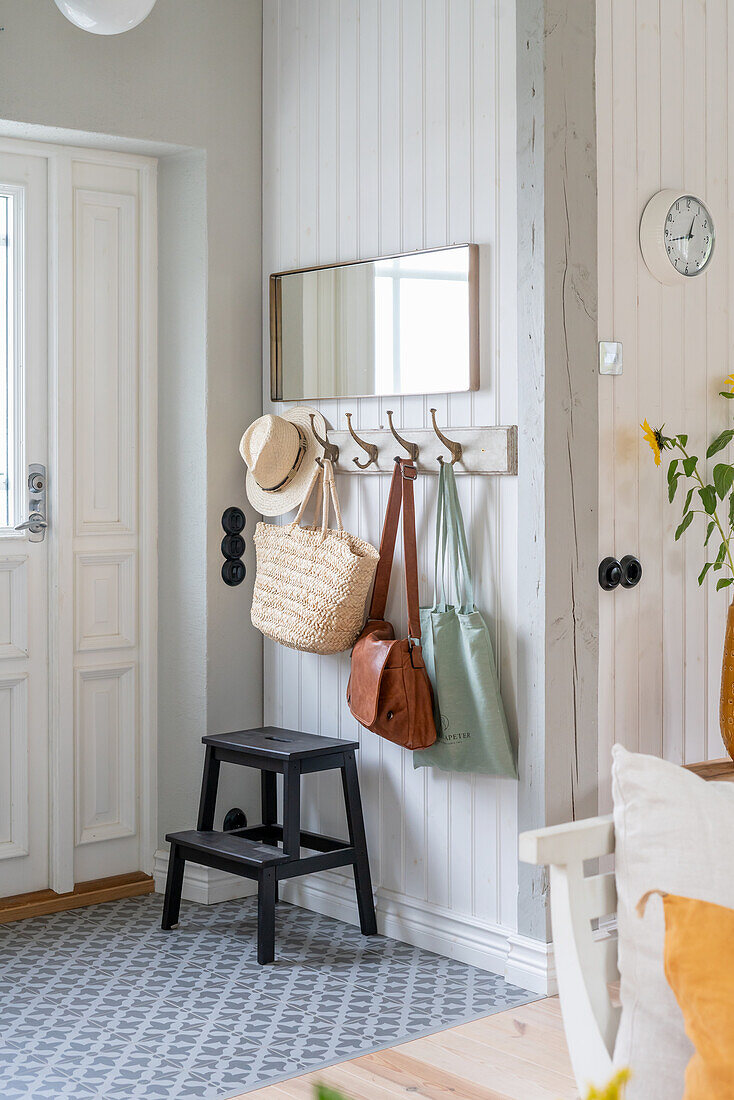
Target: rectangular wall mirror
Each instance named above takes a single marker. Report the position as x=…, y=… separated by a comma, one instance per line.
x=399, y=325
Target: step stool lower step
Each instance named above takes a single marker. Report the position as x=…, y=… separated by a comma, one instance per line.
x=237, y=849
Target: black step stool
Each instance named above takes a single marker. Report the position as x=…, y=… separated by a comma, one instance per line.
x=253, y=852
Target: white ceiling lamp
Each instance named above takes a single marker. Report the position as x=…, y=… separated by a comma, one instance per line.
x=105, y=16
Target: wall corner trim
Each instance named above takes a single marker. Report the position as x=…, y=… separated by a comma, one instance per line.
x=531, y=964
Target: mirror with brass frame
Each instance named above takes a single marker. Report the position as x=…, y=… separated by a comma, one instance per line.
x=397, y=325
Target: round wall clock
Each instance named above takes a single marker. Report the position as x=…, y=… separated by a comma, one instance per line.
x=676, y=236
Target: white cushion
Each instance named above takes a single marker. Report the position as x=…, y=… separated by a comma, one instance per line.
x=673, y=832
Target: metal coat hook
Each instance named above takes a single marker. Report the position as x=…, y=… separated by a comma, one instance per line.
x=370, y=448
x=411, y=448
x=331, y=451
x=455, y=448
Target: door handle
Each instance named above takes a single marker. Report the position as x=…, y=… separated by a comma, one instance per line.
x=35, y=524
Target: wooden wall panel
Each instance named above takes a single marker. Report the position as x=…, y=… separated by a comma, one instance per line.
x=387, y=126
x=663, y=112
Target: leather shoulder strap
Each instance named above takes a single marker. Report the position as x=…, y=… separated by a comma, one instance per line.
x=387, y=547
x=401, y=492
x=410, y=552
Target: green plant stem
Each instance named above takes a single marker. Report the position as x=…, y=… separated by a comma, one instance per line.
x=715, y=514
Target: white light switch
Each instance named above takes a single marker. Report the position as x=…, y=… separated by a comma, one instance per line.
x=610, y=357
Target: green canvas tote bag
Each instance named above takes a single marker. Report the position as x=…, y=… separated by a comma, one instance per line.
x=470, y=719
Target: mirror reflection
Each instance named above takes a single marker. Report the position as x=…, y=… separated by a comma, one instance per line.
x=401, y=325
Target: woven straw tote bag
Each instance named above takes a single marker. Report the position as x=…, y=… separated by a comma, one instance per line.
x=312, y=582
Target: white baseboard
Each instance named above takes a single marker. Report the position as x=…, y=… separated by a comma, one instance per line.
x=522, y=961
x=203, y=884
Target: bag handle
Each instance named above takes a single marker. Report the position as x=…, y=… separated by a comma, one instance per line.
x=387, y=547
x=459, y=550
x=410, y=551
x=323, y=477
x=440, y=544
x=401, y=494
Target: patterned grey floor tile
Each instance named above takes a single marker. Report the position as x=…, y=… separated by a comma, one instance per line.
x=76, y=984
x=334, y=935
x=272, y=1021
x=137, y=920
x=102, y=999
x=207, y=943
x=410, y=1017
x=330, y=1003
x=470, y=999
x=172, y=1029
x=61, y=1038
x=37, y=928
x=358, y=965
x=246, y=1073
x=408, y=984
x=124, y=952
x=21, y=1006
x=26, y=959
x=138, y=1073
x=167, y=1084
x=22, y=1075
x=315, y=1050
x=204, y=992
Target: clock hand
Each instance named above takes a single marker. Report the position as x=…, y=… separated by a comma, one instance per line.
x=690, y=231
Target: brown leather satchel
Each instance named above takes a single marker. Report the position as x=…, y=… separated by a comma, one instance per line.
x=389, y=691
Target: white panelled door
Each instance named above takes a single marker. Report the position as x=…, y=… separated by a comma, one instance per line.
x=111, y=530
x=78, y=598
x=23, y=557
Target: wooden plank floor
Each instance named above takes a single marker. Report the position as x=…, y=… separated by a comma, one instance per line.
x=515, y=1055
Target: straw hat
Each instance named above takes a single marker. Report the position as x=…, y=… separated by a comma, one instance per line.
x=279, y=452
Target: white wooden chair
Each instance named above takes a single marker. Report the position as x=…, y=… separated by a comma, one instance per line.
x=586, y=957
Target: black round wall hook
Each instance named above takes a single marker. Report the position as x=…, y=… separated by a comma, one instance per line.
x=631, y=571
x=610, y=574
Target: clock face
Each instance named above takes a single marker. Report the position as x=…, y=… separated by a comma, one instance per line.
x=688, y=235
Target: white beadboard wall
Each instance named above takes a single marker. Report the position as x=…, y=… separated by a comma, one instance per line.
x=387, y=126
x=665, y=119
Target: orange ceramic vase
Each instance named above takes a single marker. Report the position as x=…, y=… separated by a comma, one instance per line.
x=726, y=705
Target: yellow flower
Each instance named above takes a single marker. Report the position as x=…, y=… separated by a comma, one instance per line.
x=614, y=1090
x=730, y=382
x=653, y=436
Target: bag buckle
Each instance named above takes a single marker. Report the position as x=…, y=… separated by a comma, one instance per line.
x=408, y=470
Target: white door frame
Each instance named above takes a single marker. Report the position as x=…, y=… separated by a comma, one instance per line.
x=61, y=501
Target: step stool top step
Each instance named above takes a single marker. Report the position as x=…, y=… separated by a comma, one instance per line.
x=271, y=741
x=238, y=849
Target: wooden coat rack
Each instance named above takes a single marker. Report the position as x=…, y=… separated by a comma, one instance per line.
x=490, y=450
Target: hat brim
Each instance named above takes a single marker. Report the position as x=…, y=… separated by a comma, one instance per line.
x=284, y=500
